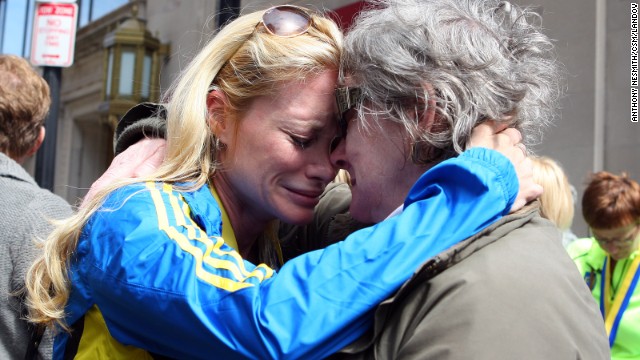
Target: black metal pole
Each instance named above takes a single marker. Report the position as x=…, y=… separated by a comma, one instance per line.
x=229, y=10
x=3, y=19
x=46, y=156
x=27, y=12
x=78, y=19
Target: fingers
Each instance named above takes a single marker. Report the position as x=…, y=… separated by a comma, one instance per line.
x=150, y=156
x=482, y=130
x=487, y=129
x=513, y=134
x=525, y=196
x=508, y=141
x=528, y=190
x=515, y=152
x=504, y=141
x=496, y=126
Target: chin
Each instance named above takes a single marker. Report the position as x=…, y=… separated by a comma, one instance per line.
x=361, y=214
x=619, y=257
x=300, y=217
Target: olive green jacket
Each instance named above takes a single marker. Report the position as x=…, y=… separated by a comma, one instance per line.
x=509, y=292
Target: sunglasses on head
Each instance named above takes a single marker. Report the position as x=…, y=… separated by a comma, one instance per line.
x=283, y=21
x=286, y=20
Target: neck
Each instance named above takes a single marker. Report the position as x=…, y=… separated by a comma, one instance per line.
x=403, y=179
x=19, y=159
x=246, y=225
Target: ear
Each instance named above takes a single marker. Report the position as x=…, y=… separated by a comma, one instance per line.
x=37, y=143
x=34, y=148
x=217, y=115
x=428, y=120
x=423, y=153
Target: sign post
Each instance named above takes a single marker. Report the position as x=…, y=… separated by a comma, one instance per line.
x=52, y=46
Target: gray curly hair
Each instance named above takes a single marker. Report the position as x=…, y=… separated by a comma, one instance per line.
x=478, y=59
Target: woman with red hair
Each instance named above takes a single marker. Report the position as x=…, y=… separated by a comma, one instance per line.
x=609, y=259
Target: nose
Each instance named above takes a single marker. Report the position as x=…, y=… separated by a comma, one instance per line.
x=610, y=248
x=321, y=167
x=338, y=155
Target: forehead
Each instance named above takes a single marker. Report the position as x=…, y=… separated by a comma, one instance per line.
x=313, y=94
x=300, y=101
x=321, y=84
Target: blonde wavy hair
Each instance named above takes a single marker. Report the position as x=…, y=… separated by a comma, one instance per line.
x=556, y=202
x=243, y=61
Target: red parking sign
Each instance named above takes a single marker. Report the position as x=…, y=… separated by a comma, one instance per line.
x=54, y=34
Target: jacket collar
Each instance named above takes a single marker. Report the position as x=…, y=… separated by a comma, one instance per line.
x=204, y=209
x=9, y=168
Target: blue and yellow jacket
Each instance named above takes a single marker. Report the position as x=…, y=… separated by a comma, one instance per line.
x=153, y=272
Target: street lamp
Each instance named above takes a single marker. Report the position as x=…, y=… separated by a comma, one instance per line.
x=132, y=67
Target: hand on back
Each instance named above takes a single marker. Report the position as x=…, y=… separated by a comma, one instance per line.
x=138, y=160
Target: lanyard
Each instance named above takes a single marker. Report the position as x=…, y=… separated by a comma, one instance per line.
x=612, y=312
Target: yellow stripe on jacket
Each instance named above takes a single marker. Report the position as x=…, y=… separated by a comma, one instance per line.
x=235, y=266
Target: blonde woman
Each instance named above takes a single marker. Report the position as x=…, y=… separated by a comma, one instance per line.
x=556, y=202
x=160, y=267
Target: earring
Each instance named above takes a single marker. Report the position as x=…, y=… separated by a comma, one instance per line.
x=219, y=145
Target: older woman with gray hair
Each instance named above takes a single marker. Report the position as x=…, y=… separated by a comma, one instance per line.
x=420, y=75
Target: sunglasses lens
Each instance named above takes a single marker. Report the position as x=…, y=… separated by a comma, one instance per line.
x=347, y=98
x=286, y=21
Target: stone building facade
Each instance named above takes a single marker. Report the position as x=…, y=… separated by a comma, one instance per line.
x=595, y=131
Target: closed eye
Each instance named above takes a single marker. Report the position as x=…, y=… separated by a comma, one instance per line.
x=301, y=142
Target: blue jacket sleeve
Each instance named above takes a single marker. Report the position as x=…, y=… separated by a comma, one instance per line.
x=166, y=292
